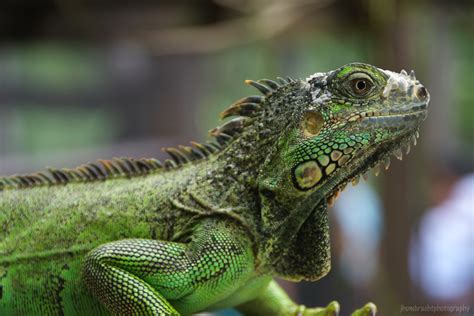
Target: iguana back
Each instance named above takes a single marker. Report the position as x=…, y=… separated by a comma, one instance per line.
x=46, y=231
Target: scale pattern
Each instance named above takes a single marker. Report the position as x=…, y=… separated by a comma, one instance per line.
x=134, y=276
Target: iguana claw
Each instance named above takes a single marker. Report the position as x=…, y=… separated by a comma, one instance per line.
x=332, y=309
x=369, y=309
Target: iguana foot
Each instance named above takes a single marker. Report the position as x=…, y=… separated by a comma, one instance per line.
x=369, y=309
x=332, y=309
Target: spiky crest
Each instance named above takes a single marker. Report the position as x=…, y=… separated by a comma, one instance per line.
x=244, y=109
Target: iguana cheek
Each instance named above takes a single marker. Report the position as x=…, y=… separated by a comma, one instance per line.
x=310, y=173
x=307, y=174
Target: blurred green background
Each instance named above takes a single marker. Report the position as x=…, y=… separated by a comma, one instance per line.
x=81, y=80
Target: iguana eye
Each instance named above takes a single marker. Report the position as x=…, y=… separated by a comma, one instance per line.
x=361, y=86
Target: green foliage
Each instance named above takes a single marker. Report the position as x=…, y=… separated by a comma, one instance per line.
x=38, y=130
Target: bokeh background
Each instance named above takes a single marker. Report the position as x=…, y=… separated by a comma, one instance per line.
x=82, y=79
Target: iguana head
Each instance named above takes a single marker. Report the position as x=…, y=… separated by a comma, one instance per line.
x=332, y=128
x=357, y=117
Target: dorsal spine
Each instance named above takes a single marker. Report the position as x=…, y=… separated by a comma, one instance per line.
x=244, y=109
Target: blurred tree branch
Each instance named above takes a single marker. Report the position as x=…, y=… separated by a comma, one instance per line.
x=265, y=19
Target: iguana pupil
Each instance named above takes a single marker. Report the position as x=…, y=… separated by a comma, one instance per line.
x=361, y=86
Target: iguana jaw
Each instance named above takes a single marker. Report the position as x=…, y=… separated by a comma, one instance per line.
x=377, y=157
x=403, y=121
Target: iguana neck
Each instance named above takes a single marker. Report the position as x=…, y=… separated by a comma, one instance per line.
x=245, y=156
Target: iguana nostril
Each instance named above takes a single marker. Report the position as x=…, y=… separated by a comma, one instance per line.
x=421, y=93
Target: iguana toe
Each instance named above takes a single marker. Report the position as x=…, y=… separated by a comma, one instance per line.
x=369, y=309
x=332, y=309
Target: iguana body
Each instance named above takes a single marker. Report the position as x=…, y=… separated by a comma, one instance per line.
x=212, y=227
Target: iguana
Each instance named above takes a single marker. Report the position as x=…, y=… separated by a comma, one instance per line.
x=213, y=225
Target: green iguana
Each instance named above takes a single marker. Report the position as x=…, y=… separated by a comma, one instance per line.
x=211, y=227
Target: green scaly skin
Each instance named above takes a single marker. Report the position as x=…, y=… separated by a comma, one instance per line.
x=211, y=228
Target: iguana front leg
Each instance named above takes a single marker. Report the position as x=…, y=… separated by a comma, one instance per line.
x=153, y=277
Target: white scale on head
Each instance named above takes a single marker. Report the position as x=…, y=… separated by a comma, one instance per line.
x=400, y=82
x=322, y=77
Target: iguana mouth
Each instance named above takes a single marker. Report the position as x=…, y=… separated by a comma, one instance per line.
x=394, y=118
